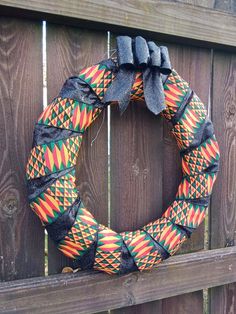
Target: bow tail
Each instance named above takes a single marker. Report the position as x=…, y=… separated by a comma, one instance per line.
x=153, y=90
x=120, y=90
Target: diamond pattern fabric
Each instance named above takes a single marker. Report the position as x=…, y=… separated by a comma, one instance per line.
x=54, y=197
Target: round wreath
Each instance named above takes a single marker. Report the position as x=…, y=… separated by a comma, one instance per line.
x=142, y=71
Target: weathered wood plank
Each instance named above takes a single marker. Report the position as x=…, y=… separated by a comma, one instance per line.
x=222, y=213
x=136, y=167
x=200, y=3
x=136, y=174
x=68, y=51
x=194, y=65
x=83, y=293
x=177, y=20
x=21, y=234
x=226, y=5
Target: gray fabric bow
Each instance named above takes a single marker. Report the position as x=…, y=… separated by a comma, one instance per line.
x=137, y=54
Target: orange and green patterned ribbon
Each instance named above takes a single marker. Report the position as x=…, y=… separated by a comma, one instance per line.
x=156, y=240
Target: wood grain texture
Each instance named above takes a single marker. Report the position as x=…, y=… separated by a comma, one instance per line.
x=136, y=167
x=136, y=173
x=223, y=204
x=178, y=20
x=220, y=5
x=95, y=292
x=199, y=3
x=21, y=234
x=193, y=65
x=68, y=51
x=225, y=5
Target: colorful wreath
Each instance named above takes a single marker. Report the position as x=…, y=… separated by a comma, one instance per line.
x=142, y=71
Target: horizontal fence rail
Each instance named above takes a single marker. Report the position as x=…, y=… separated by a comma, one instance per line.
x=153, y=17
x=95, y=292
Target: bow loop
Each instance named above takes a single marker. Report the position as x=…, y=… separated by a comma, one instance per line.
x=165, y=64
x=125, y=55
x=155, y=53
x=138, y=54
x=141, y=52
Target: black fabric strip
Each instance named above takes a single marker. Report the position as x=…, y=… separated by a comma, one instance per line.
x=204, y=201
x=187, y=230
x=127, y=262
x=205, y=131
x=213, y=167
x=86, y=262
x=158, y=246
x=58, y=229
x=164, y=78
x=44, y=134
x=37, y=186
x=111, y=64
x=77, y=89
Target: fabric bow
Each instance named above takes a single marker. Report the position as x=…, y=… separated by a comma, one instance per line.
x=137, y=54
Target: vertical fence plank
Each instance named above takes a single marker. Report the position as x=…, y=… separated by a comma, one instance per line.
x=136, y=168
x=223, y=204
x=136, y=175
x=194, y=65
x=68, y=51
x=21, y=234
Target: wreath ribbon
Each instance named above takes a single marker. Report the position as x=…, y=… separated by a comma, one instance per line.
x=50, y=170
x=152, y=60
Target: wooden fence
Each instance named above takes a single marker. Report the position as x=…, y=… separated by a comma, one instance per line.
x=137, y=181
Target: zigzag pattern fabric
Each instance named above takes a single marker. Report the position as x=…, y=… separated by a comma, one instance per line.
x=55, y=199
x=143, y=249
x=66, y=113
x=98, y=77
x=166, y=233
x=199, y=159
x=197, y=186
x=81, y=235
x=53, y=157
x=137, y=88
x=190, y=122
x=185, y=214
x=108, y=252
x=176, y=90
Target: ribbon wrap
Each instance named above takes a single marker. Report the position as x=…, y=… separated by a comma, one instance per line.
x=139, y=55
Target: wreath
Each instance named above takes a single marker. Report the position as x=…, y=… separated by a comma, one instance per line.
x=142, y=71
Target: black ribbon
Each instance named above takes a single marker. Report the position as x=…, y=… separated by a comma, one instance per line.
x=137, y=54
